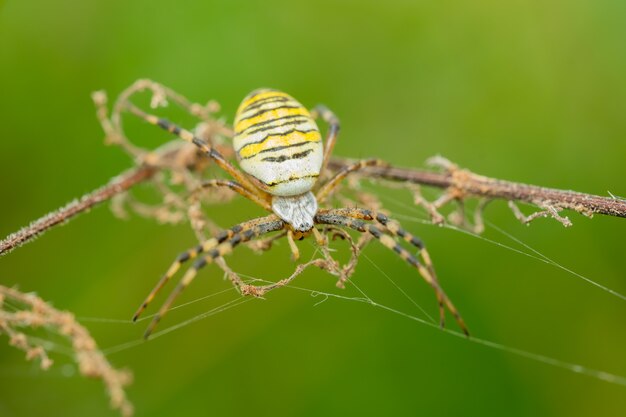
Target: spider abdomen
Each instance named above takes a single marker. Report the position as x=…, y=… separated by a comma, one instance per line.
x=278, y=143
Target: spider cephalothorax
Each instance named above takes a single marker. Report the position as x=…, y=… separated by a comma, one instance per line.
x=279, y=148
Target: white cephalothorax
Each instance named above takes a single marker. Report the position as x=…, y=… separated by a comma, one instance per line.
x=297, y=210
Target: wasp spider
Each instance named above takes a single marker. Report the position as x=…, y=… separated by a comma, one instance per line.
x=280, y=151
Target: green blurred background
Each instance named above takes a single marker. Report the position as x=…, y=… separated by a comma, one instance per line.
x=529, y=91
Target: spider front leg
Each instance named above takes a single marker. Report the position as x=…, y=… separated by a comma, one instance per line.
x=199, y=220
x=249, y=230
x=238, y=188
x=206, y=148
x=341, y=217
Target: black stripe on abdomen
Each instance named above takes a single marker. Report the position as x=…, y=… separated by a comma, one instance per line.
x=287, y=157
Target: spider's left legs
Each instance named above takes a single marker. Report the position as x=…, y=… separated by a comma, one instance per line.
x=270, y=224
x=333, y=130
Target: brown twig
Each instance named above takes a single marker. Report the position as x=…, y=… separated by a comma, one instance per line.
x=460, y=184
x=178, y=158
x=115, y=186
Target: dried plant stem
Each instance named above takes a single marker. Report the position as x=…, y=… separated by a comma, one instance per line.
x=115, y=186
x=460, y=184
x=33, y=313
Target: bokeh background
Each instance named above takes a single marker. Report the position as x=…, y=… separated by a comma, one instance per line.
x=532, y=91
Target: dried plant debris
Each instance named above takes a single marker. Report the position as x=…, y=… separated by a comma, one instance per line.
x=22, y=313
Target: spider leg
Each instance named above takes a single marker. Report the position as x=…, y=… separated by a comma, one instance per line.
x=295, y=252
x=238, y=188
x=199, y=220
x=395, y=229
x=188, y=136
x=340, y=218
x=329, y=187
x=186, y=256
x=205, y=246
x=390, y=225
x=262, y=226
x=262, y=245
x=333, y=129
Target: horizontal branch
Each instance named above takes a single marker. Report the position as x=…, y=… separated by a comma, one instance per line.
x=458, y=183
x=462, y=183
x=115, y=186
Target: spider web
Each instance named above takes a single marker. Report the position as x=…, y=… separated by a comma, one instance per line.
x=423, y=318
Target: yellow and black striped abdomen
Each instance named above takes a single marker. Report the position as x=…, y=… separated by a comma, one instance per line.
x=278, y=142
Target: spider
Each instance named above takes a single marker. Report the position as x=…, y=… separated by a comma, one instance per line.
x=279, y=149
